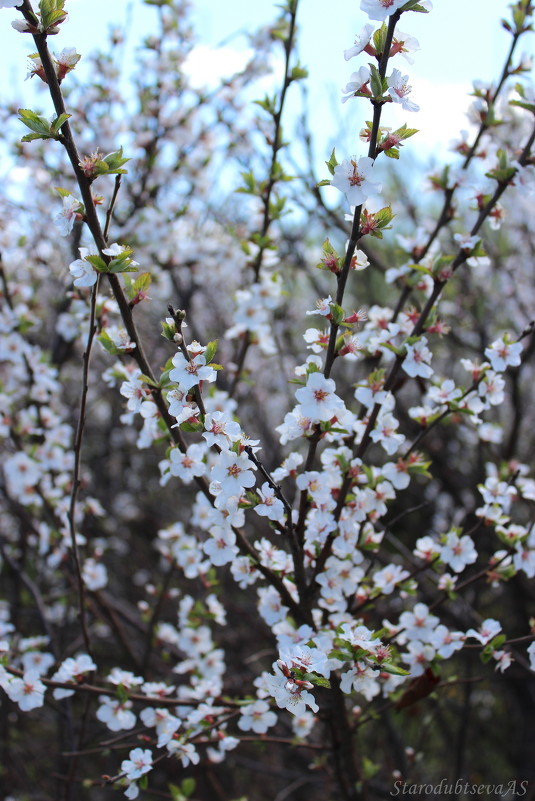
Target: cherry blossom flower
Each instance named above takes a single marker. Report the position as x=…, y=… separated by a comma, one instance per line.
x=361, y=42
x=524, y=559
x=225, y=742
x=257, y=717
x=457, y=552
x=445, y=641
x=184, y=751
x=318, y=401
x=66, y=217
x=288, y=467
x=386, y=579
x=271, y=506
x=270, y=605
x=72, y=669
x=94, y=574
x=288, y=694
x=503, y=660
x=370, y=394
x=139, y=762
x=418, y=624
x=416, y=362
x=66, y=61
x=165, y=723
x=385, y=433
x=119, y=337
x=37, y=662
x=357, y=83
x=10, y=3
x=221, y=547
x=323, y=307
x=399, y=90
x=124, y=678
x=302, y=724
x=233, y=472
x=298, y=655
x=445, y=393
x=354, y=179
x=189, y=373
x=220, y=429
x=243, y=572
x=426, y=548
x=295, y=425
x=360, y=637
x=531, y=654
x=502, y=354
x=135, y=390
x=83, y=271
x=405, y=44
x=21, y=473
x=397, y=474
x=486, y=632
x=28, y=692
x=361, y=678
x=380, y=9
x=497, y=492
x=115, y=714
x=188, y=465
x=418, y=656
x=491, y=388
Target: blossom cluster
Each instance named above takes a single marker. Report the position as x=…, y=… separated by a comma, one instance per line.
x=289, y=534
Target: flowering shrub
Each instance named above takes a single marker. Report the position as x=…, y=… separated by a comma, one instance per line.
x=248, y=546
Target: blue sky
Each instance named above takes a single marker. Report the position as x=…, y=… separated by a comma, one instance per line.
x=460, y=40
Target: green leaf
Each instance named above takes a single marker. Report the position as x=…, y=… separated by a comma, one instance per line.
x=97, y=262
x=58, y=122
x=168, y=331
x=249, y=184
x=415, y=5
x=388, y=667
x=114, y=161
x=268, y=103
x=147, y=380
x=210, y=351
x=318, y=681
x=404, y=132
x=523, y=104
x=420, y=468
x=331, y=164
x=107, y=343
x=369, y=768
x=176, y=792
x=503, y=176
x=121, y=266
x=337, y=313
x=34, y=121
x=343, y=656
x=42, y=128
x=379, y=38
x=191, y=428
x=140, y=285
x=188, y=786
x=340, y=341
x=62, y=192
x=52, y=13
x=377, y=83
x=486, y=654
x=298, y=73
